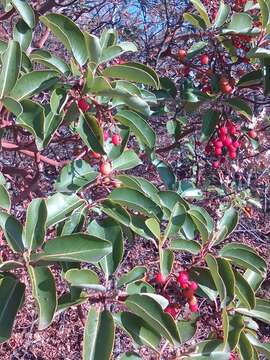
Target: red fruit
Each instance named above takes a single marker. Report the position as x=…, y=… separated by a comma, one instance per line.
x=105, y=135
x=188, y=293
x=232, y=130
x=207, y=149
x=232, y=155
x=96, y=155
x=236, y=144
x=227, y=141
x=83, y=105
x=227, y=89
x=218, y=144
x=222, y=160
x=116, y=139
x=170, y=309
x=193, y=285
x=223, y=130
x=192, y=300
x=105, y=168
x=182, y=54
x=193, y=308
x=218, y=151
x=231, y=148
x=204, y=59
x=252, y=134
x=183, y=279
x=216, y=164
x=160, y=278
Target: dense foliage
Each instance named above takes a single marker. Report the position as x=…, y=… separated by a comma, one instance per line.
x=80, y=119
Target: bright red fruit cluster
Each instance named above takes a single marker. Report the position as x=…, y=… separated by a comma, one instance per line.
x=189, y=288
x=226, y=143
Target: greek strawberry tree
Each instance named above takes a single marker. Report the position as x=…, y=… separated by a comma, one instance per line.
x=80, y=225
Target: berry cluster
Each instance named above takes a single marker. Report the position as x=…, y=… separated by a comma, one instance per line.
x=187, y=295
x=225, y=143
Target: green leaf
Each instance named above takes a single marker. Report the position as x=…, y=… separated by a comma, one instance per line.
x=84, y=278
x=261, y=311
x=186, y=329
x=232, y=327
x=13, y=106
x=193, y=247
x=67, y=300
x=23, y=34
x=44, y=292
x=25, y=11
x=127, y=160
x=196, y=49
x=35, y=226
x=196, y=20
x=240, y=106
x=140, y=331
x=4, y=198
x=201, y=10
x=221, y=279
x=222, y=15
x=130, y=356
x=264, y=12
x=11, y=63
x=11, y=299
x=205, y=282
x=116, y=212
x=137, y=273
x=58, y=100
x=138, y=126
x=260, y=347
x=75, y=176
x=114, y=51
x=133, y=72
x=50, y=61
x=166, y=257
x=209, y=349
x=165, y=172
x=253, y=278
x=51, y=124
x=98, y=335
x=251, y=78
x=176, y=220
x=139, y=287
x=90, y=132
x=244, y=256
x=135, y=200
x=59, y=206
x=151, y=311
x=75, y=221
x=240, y=23
x=140, y=184
x=226, y=225
x=108, y=38
x=245, y=347
x=244, y=291
x=154, y=227
x=33, y=83
x=93, y=49
x=209, y=122
x=75, y=247
x=69, y=34
x=13, y=231
x=32, y=118
x=10, y=265
x=109, y=230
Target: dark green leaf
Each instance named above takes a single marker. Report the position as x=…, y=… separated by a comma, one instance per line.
x=13, y=231
x=50, y=61
x=25, y=11
x=91, y=133
x=23, y=34
x=137, y=273
x=209, y=122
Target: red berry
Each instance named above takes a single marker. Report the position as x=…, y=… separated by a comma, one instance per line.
x=96, y=155
x=105, y=135
x=236, y=144
x=223, y=130
x=182, y=54
x=218, y=151
x=227, y=89
x=218, y=144
x=170, y=309
x=204, y=59
x=193, y=308
x=105, y=168
x=183, y=279
x=227, y=141
x=83, y=105
x=232, y=130
x=232, y=155
x=231, y=148
x=216, y=164
x=193, y=286
x=116, y=139
x=252, y=134
x=192, y=300
x=188, y=293
x=160, y=278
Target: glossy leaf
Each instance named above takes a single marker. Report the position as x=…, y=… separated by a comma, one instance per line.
x=245, y=347
x=11, y=299
x=13, y=231
x=75, y=247
x=91, y=133
x=35, y=226
x=10, y=265
x=75, y=176
x=232, y=327
x=261, y=310
x=186, y=329
x=166, y=261
x=44, y=292
x=209, y=349
x=240, y=106
x=226, y=225
x=137, y=273
x=130, y=356
x=11, y=63
x=190, y=246
x=109, y=230
x=51, y=124
x=4, y=198
x=222, y=15
x=139, y=287
x=196, y=20
x=25, y=11
x=93, y=49
x=244, y=291
x=98, y=335
x=201, y=10
x=127, y=160
x=51, y=61
x=176, y=220
x=209, y=122
x=84, y=278
x=240, y=23
x=69, y=34
x=23, y=34
x=154, y=227
x=263, y=348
